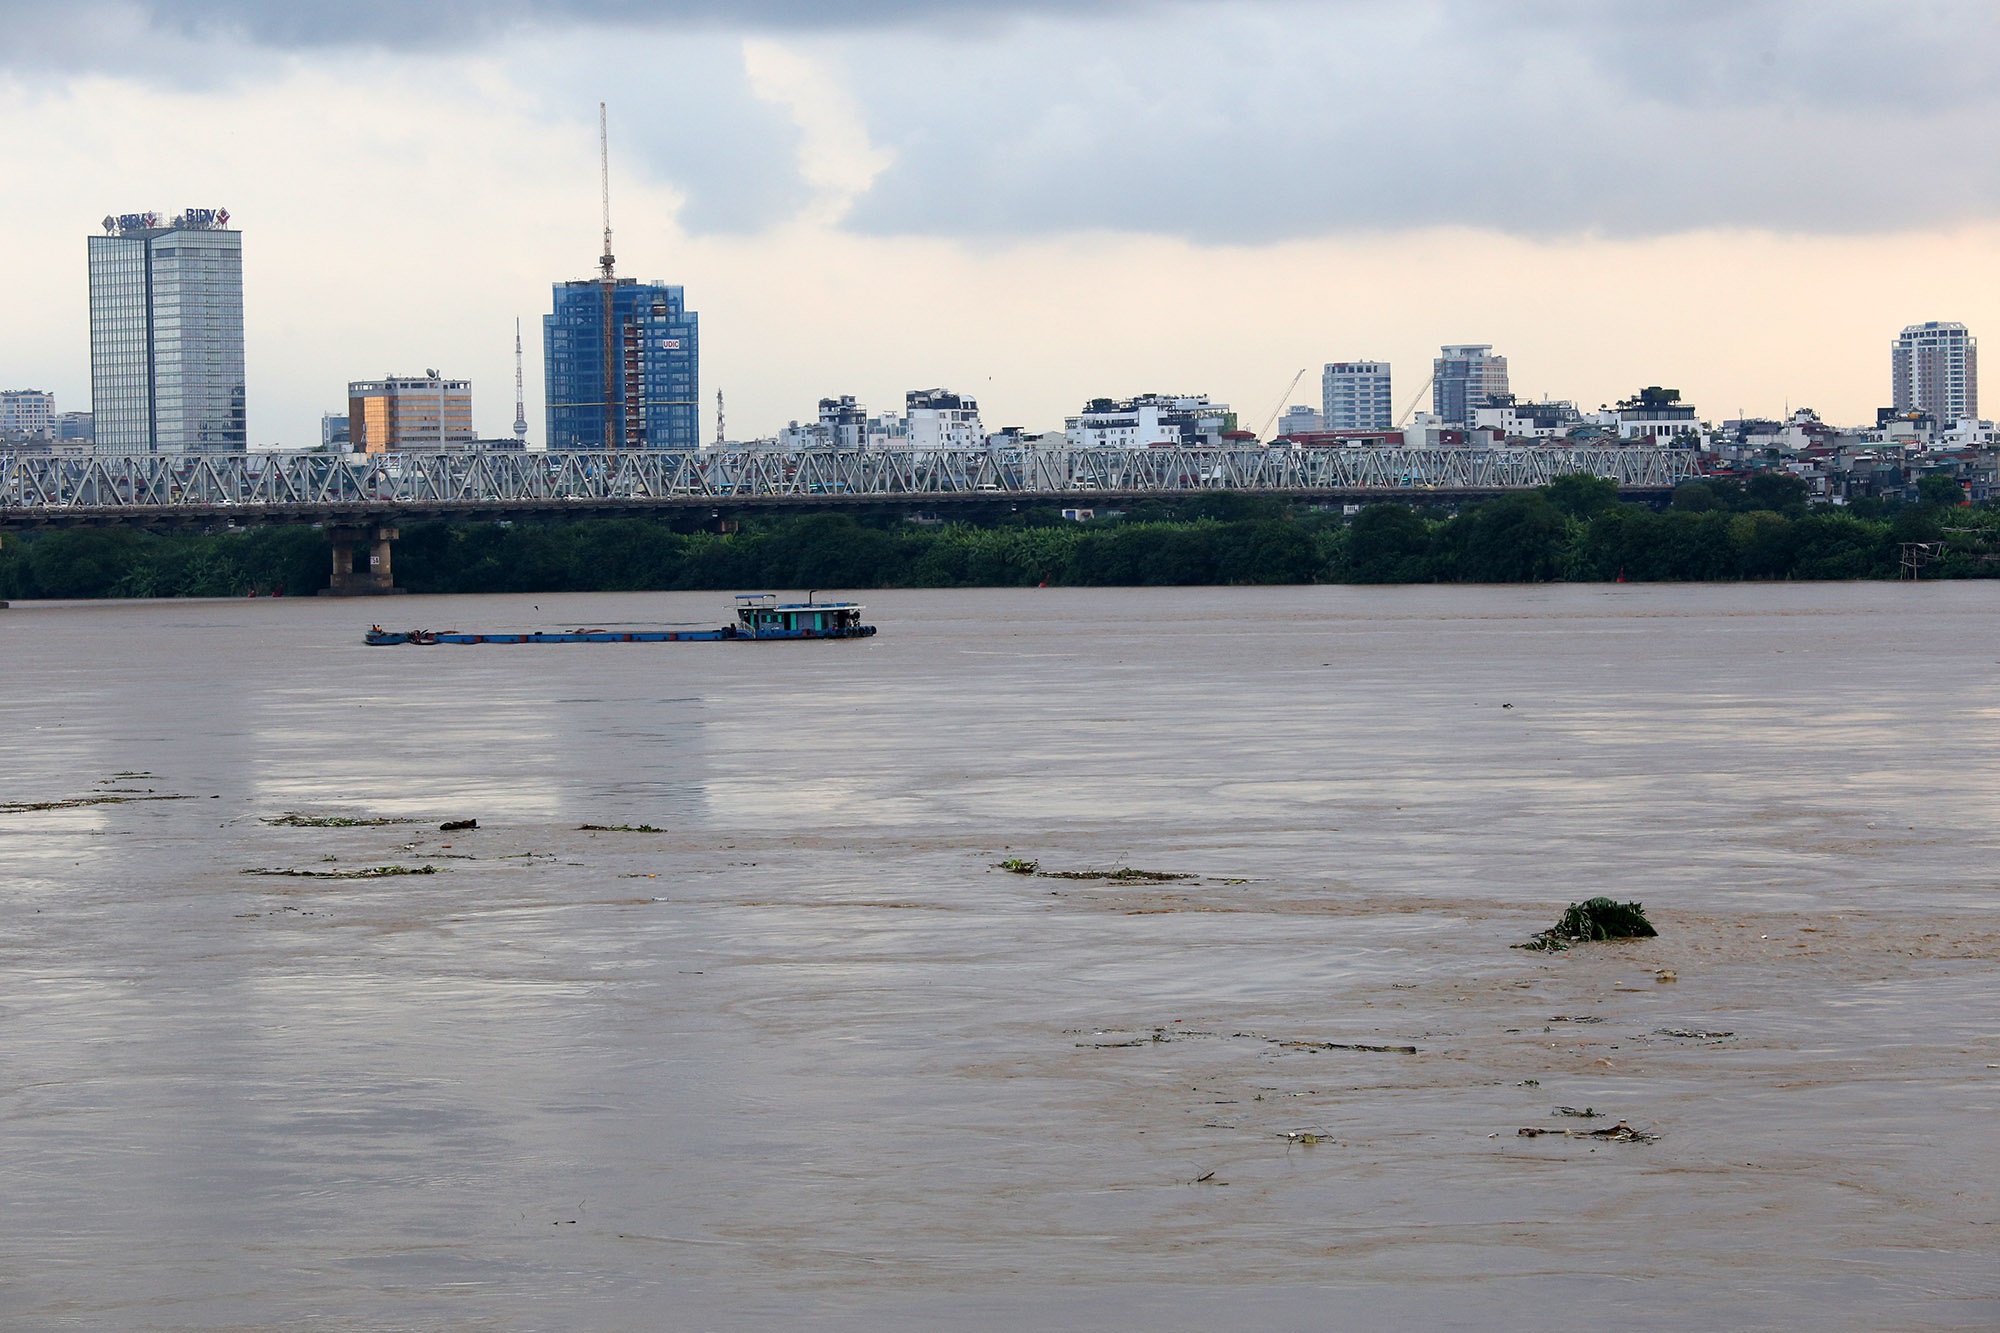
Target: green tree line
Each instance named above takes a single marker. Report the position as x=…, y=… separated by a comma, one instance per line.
x=1576, y=529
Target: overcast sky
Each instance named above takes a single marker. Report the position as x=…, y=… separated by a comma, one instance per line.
x=1035, y=203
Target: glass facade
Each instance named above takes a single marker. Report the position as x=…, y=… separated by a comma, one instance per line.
x=655, y=355
x=166, y=340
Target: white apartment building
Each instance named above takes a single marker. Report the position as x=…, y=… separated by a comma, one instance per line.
x=1659, y=415
x=1149, y=421
x=1934, y=368
x=887, y=430
x=27, y=412
x=1526, y=421
x=938, y=419
x=1355, y=395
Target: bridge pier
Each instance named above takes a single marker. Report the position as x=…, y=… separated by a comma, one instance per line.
x=374, y=579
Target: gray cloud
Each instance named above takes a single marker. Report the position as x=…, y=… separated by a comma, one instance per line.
x=1219, y=120
x=1257, y=122
x=451, y=24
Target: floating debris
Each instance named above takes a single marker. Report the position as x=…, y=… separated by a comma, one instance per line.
x=618, y=828
x=457, y=825
x=1122, y=875
x=1618, y=1133
x=1587, y=1113
x=76, y=803
x=366, y=872
x=1691, y=1034
x=1301, y=1045
x=293, y=820
x=1593, y=919
x=1016, y=866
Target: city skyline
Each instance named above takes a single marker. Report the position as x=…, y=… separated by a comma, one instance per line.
x=789, y=191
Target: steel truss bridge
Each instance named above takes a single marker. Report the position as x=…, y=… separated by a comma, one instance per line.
x=206, y=490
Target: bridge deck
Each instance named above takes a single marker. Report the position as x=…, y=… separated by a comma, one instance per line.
x=38, y=490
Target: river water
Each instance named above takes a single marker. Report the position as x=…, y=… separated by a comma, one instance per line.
x=805, y=1057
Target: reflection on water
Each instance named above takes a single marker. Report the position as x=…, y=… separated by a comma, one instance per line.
x=804, y=1056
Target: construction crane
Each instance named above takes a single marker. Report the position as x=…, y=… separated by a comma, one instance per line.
x=1403, y=419
x=1270, y=420
x=609, y=284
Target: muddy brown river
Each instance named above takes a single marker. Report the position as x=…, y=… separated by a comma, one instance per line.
x=782, y=1047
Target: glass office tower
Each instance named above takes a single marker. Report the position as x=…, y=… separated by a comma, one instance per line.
x=166, y=334
x=655, y=381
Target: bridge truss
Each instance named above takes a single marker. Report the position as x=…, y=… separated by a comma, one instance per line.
x=293, y=488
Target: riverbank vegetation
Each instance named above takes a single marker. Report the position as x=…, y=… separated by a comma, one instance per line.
x=1574, y=530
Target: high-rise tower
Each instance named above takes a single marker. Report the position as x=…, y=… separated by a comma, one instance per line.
x=1354, y=395
x=621, y=359
x=1464, y=377
x=1934, y=368
x=166, y=334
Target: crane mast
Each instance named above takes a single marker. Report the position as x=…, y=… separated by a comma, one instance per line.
x=608, y=282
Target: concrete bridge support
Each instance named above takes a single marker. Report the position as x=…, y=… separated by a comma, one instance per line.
x=375, y=578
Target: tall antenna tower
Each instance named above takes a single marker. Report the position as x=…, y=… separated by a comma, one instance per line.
x=719, y=438
x=520, y=399
x=609, y=283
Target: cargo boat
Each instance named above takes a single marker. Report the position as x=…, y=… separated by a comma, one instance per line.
x=759, y=615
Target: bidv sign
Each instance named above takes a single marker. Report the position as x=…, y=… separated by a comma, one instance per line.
x=193, y=219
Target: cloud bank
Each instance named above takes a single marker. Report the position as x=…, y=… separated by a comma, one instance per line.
x=1225, y=121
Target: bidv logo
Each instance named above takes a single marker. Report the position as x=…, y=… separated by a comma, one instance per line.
x=201, y=219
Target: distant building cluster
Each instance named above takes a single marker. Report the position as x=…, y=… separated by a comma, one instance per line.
x=622, y=370
x=621, y=359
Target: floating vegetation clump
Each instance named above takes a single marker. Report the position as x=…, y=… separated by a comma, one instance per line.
x=1593, y=919
x=618, y=828
x=365, y=872
x=1122, y=875
x=76, y=803
x=293, y=820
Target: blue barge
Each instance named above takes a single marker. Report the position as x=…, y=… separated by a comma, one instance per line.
x=759, y=616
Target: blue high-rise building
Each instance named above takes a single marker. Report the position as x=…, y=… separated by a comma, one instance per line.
x=651, y=343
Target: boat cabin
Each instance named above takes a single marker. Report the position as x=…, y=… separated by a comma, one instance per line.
x=760, y=615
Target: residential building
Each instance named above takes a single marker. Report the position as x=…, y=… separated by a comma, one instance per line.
x=410, y=413
x=27, y=413
x=1934, y=368
x=888, y=430
x=1149, y=421
x=1658, y=416
x=650, y=347
x=166, y=334
x=1464, y=378
x=1508, y=419
x=843, y=422
x=939, y=419
x=793, y=437
x=1427, y=430
x=1300, y=421
x=1355, y=395
x=334, y=436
